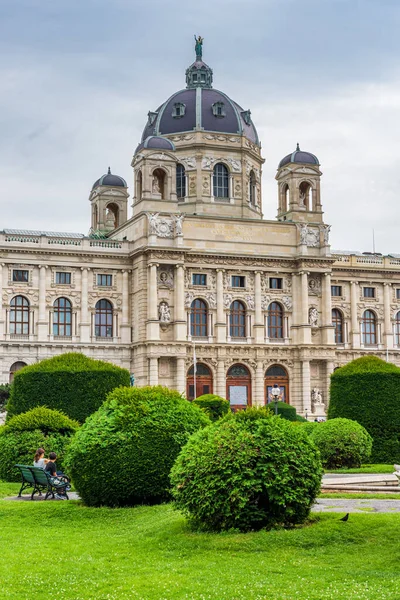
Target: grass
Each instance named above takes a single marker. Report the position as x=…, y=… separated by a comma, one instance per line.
x=362, y=495
x=65, y=550
x=378, y=468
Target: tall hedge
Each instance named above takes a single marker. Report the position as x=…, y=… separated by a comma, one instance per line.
x=367, y=390
x=72, y=382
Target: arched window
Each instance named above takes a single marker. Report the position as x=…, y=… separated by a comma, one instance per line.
x=252, y=188
x=285, y=198
x=203, y=381
x=14, y=368
x=397, y=329
x=104, y=319
x=337, y=322
x=305, y=192
x=276, y=374
x=139, y=185
x=19, y=316
x=158, y=184
x=198, y=318
x=237, y=324
x=112, y=214
x=180, y=182
x=221, y=181
x=238, y=386
x=368, y=328
x=275, y=321
x=62, y=318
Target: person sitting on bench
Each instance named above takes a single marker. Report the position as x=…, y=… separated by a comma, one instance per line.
x=51, y=468
x=39, y=460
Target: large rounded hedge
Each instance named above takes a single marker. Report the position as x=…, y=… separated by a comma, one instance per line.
x=25, y=433
x=342, y=443
x=72, y=383
x=123, y=453
x=367, y=390
x=247, y=471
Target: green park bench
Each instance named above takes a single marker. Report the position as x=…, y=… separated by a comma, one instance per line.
x=40, y=481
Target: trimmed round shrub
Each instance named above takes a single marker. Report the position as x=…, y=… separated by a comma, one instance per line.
x=342, y=443
x=367, y=390
x=214, y=406
x=25, y=433
x=72, y=383
x=123, y=453
x=247, y=471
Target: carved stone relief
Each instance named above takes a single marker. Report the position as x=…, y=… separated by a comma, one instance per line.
x=189, y=297
x=165, y=276
x=228, y=299
x=313, y=316
x=287, y=302
x=212, y=300
x=250, y=302
x=188, y=161
x=309, y=236
x=314, y=285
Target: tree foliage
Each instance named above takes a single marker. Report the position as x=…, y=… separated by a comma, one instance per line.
x=342, y=443
x=72, y=383
x=367, y=390
x=247, y=471
x=214, y=406
x=123, y=453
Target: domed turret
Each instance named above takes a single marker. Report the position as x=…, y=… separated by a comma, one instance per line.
x=109, y=200
x=299, y=156
x=111, y=180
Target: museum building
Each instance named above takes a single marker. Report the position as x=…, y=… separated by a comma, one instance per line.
x=196, y=271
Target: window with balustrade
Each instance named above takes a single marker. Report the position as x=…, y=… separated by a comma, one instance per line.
x=19, y=316
x=198, y=318
x=237, y=320
x=103, y=319
x=368, y=328
x=62, y=318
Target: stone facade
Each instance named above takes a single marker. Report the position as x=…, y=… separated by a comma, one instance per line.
x=260, y=300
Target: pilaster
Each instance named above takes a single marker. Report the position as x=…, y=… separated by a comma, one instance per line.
x=84, y=323
x=180, y=375
x=328, y=331
x=388, y=330
x=220, y=325
x=355, y=331
x=180, y=319
x=125, y=328
x=43, y=323
x=258, y=322
x=153, y=326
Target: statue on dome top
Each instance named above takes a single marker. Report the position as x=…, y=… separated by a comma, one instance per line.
x=198, y=47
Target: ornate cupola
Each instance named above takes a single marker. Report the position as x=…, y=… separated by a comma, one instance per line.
x=199, y=74
x=299, y=191
x=109, y=201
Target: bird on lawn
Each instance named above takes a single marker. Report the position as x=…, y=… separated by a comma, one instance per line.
x=345, y=518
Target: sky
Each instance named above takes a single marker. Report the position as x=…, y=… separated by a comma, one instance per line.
x=78, y=78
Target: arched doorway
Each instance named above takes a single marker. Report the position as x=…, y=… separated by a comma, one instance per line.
x=276, y=374
x=16, y=367
x=238, y=387
x=204, y=381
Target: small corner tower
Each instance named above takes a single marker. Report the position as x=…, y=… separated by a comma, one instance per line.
x=109, y=203
x=299, y=189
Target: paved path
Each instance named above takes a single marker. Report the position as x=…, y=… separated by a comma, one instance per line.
x=36, y=498
x=344, y=505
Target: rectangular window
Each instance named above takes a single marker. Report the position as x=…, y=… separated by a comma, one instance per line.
x=398, y=294
x=336, y=290
x=199, y=279
x=275, y=283
x=238, y=281
x=369, y=292
x=63, y=278
x=20, y=275
x=104, y=280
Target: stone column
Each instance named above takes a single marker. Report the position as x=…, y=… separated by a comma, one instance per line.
x=259, y=392
x=220, y=325
x=179, y=309
x=221, y=379
x=153, y=326
x=180, y=382
x=125, y=329
x=305, y=376
x=388, y=329
x=85, y=323
x=305, y=326
x=153, y=371
x=258, y=321
x=355, y=329
x=328, y=331
x=330, y=367
x=43, y=323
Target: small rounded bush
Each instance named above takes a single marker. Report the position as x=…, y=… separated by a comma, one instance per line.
x=123, y=453
x=342, y=443
x=247, y=471
x=214, y=406
x=25, y=433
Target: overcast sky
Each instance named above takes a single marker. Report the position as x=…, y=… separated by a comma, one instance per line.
x=78, y=77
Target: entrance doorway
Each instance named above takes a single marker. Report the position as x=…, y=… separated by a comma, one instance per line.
x=204, y=381
x=276, y=374
x=238, y=387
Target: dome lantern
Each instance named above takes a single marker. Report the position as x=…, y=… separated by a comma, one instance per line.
x=199, y=74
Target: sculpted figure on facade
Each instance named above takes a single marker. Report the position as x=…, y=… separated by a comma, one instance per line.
x=207, y=162
x=250, y=302
x=189, y=297
x=308, y=236
x=152, y=218
x=287, y=302
x=178, y=224
x=212, y=300
x=313, y=316
x=228, y=299
x=156, y=185
x=316, y=397
x=164, y=313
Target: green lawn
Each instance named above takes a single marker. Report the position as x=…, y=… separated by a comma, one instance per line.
x=378, y=468
x=65, y=550
x=364, y=495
